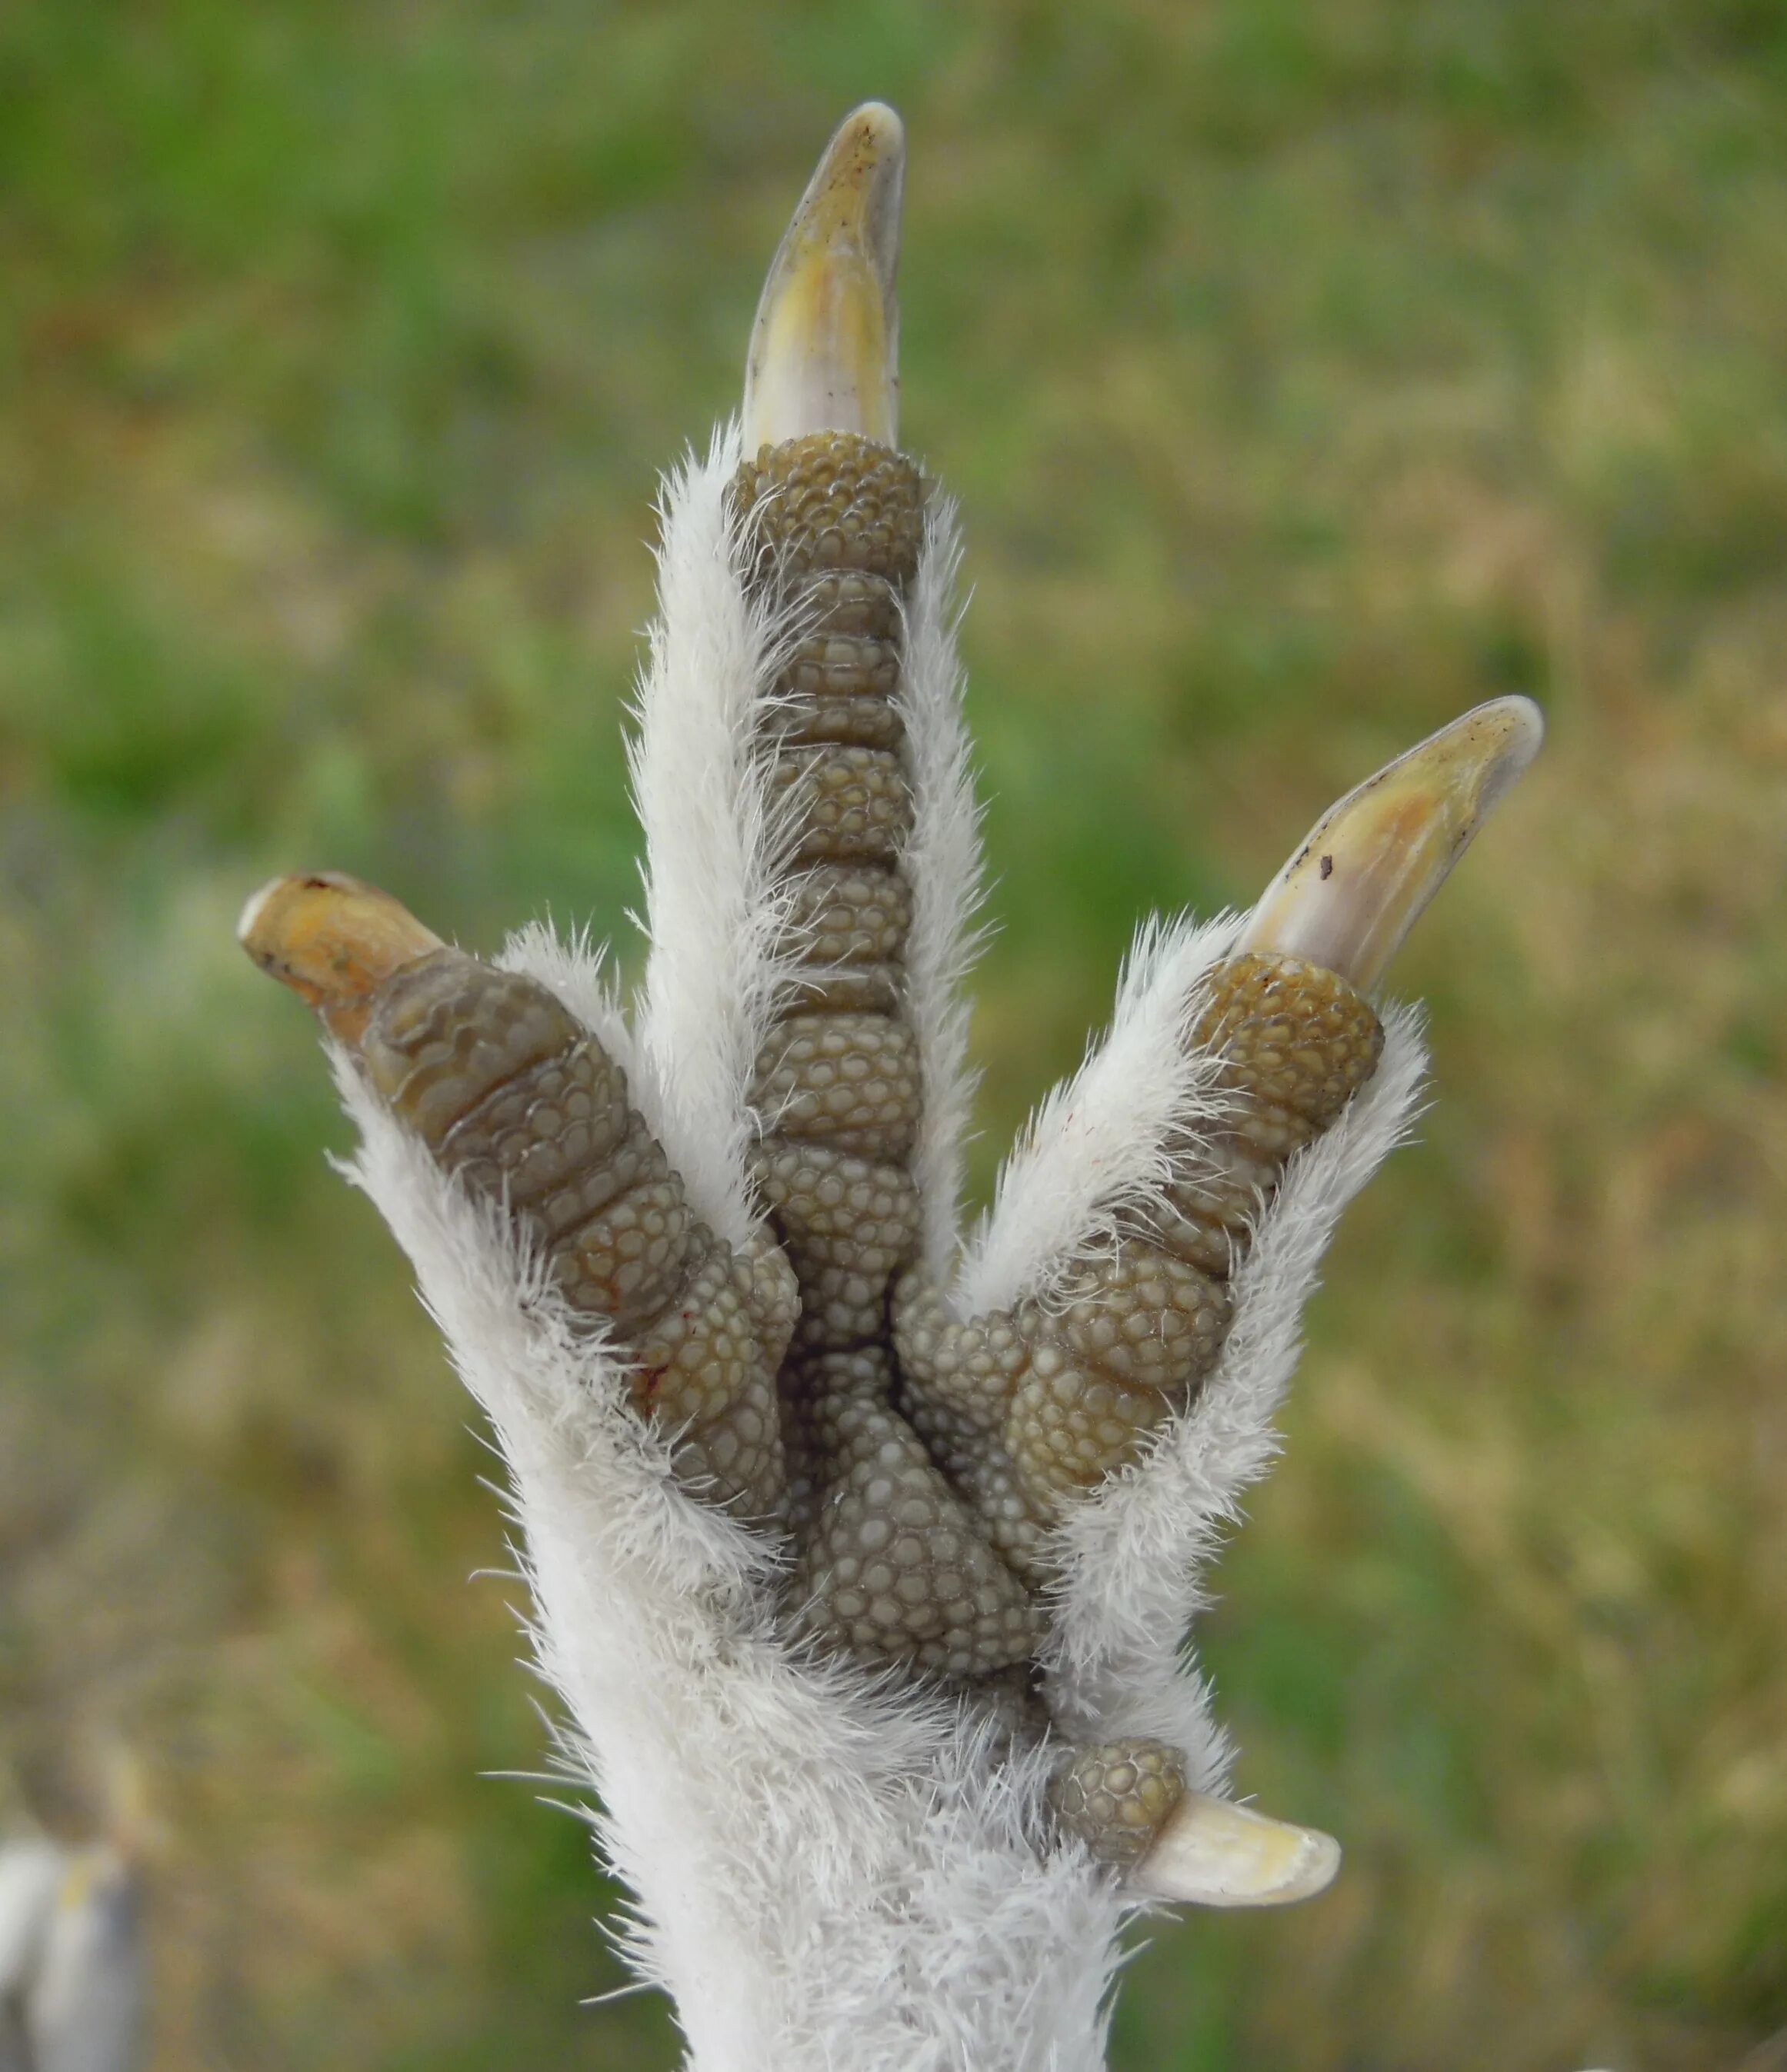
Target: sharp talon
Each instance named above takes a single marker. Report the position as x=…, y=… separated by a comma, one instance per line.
x=334, y=940
x=1349, y=897
x=1211, y=1852
x=825, y=349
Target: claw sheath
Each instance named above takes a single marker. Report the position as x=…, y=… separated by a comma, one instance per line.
x=824, y=349
x=1350, y=895
x=334, y=940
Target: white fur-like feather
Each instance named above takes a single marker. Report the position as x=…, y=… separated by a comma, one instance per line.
x=716, y=901
x=1102, y=1143
x=942, y=864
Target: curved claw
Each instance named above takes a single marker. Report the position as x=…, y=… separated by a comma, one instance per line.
x=825, y=349
x=334, y=940
x=1348, y=898
x=1213, y=1852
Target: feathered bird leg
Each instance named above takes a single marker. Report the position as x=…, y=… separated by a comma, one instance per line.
x=865, y=1584
x=72, y=1948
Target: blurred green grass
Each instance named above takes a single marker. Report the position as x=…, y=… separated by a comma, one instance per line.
x=1307, y=374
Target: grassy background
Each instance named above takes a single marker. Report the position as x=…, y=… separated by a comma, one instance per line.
x=1307, y=373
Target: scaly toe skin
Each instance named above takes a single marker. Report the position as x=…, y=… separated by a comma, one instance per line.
x=829, y=504
x=1297, y=1043
x=894, y=1568
x=513, y=1097
x=1117, y=1797
x=1129, y=1337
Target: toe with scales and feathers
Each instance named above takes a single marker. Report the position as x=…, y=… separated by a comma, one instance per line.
x=915, y=1436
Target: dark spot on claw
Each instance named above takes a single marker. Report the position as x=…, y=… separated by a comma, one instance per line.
x=1327, y=866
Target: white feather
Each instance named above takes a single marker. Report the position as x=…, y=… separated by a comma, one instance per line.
x=716, y=898
x=942, y=864
x=71, y=1959
x=30, y=1876
x=1101, y=1143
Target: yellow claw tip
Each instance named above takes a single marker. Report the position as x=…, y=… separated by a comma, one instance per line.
x=334, y=940
x=1348, y=898
x=872, y=126
x=824, y=347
